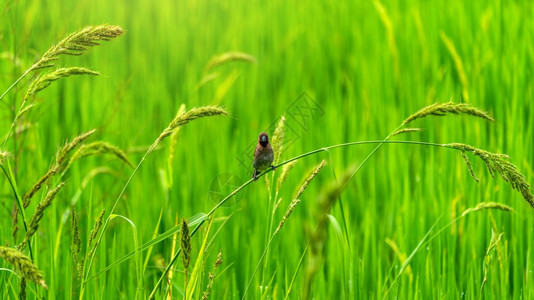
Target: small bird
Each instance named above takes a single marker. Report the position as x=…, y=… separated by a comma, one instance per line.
x=263, y=155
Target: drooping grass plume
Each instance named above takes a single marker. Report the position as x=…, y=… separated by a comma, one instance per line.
x=310, y=178
x=66, y=156
x=229, y=57
x=99, y=148
x=24, y=109
x=63, y=153
x=184, y=118
x=277, y=141
x=441, y=109
x=288, y=213
x=497, y=163
x=39, y=212
x=469, y=166
x=212, y=276
x=37, y=186
x=488, y=205
x=45, y=80
x=94, y=233
x=185, y=244
x=23, y=265
x=61, y=158
x=405, y=130
x=457, y=64
x=74, y=44
x=77, y=43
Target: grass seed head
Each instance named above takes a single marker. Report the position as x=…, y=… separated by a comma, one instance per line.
x=186, y=117
x=61, y=157
x=76, y=243
x=277, y=141
x=94, y=232
x=185, y=243
x=39, y=212
x=23, y=264
x=441, y=109
x=488, y=205
x=229, y=57
x=469, y=166
x=406, y=130
x=498, y=164
x=296, y=200
x=310, y=178
x=25, y=109
x=63, y=153
x=43, y=81
x=99, y=148
x=77, y=43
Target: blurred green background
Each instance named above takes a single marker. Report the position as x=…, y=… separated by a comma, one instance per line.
x=364, y=66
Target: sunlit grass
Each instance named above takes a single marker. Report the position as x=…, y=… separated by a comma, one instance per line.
x=411, y=223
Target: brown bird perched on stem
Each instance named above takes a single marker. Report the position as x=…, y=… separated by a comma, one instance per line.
x=263, y=155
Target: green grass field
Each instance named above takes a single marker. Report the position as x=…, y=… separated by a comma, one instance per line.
x=410, y=224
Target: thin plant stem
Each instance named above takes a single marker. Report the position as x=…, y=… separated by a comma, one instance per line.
x=15, y=118
x=15, y=83
x=19, y=201
x=258, y=265
x=297, y=270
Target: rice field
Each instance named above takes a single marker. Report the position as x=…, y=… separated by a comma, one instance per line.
x=402, y=137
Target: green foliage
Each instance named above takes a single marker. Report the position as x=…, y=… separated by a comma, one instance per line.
x=410, y=224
